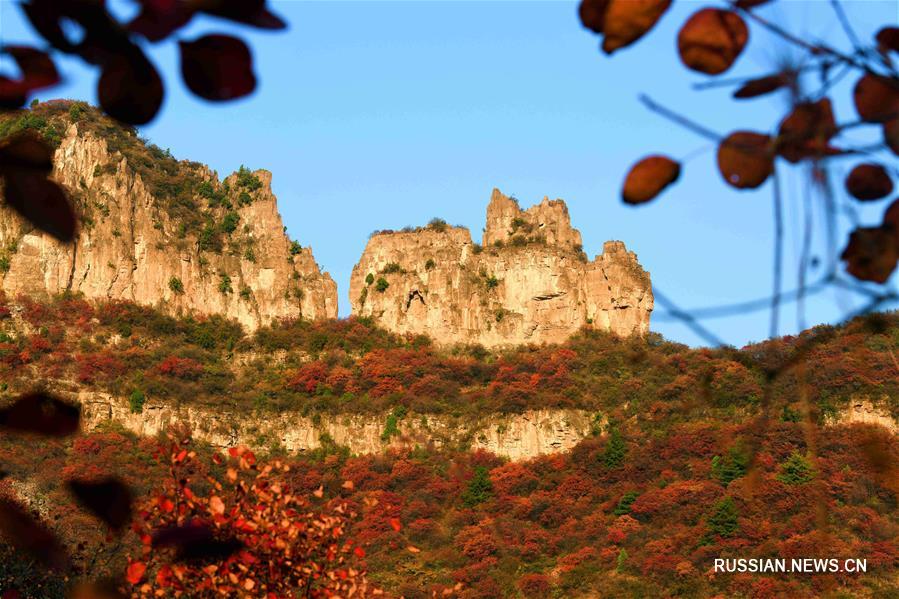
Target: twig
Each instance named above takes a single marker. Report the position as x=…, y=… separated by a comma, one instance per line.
x=805, y=253
x=814, y=49
x=847, y=27
x=750, y=305
x=778, y=254
x=687, y=319
x=679, y=119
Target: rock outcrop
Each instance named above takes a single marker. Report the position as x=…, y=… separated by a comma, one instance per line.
x=529, y=282
x=514, y=436
x=237, y=260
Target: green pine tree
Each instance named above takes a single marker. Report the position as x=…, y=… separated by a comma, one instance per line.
x=480, y=489
x=731, y=466
x=723, y=521
x=613, y=457
x=796, y=470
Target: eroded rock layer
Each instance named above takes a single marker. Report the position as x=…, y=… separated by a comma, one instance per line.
x=529, y=282
x=237, y=260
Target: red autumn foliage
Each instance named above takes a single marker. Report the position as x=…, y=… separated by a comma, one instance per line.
x=248, y=534
x=182, y=368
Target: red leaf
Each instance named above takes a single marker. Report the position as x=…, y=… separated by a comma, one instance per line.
x=747, y=4
x=745, y=159
x=711, y=40
x=135, y=572
x=396, y=524
x=42, y=414
x=359, y=551
x=29, y=535
x=626, y=21
x=130, y=89
x=876, y=99
x=871, y=254
x=217, y=67
x=648, y=177
x=867, y=182
x=760, y=87
x=109, y=499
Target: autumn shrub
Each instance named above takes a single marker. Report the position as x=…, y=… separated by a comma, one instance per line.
x=182, y=368
x=534, y=585
x=249, y=535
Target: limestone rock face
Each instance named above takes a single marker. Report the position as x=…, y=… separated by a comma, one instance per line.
x=514, y=436
x=529, y=283
x=130, y=247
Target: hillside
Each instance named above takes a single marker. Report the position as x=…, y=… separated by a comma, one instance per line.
x=158, y=231
x=675, y=467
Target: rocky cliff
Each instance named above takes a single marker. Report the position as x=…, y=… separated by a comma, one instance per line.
x=529, y=282
x=161, y=232
x=514, y=436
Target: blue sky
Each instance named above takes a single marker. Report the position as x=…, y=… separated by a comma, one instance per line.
x=379, y=115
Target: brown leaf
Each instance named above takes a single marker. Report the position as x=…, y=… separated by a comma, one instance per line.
x=130, y=89
x=38, y=71
x=42, y=414
x=760, y=87
x=888, y=39
x=626, y=21
x=109, y=499
x=806, y=131
x=248, y=12
x=891, y=218
x=876, y=99
x=868, y=181
x=648, y=177
x=593, y=14
x=100, y=589
x=31, y=536
x=25, y=162
x=711, y=40
x=42, y=202
x=745, y=159
x=891, y=135
x=747, y=4
x=871, y=254
x=26, y=151
x=156, y=22
x=196, y=542
x=217, y=67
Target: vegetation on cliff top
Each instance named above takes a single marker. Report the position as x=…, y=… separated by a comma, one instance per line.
x=351, y=365
x=198, y=205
